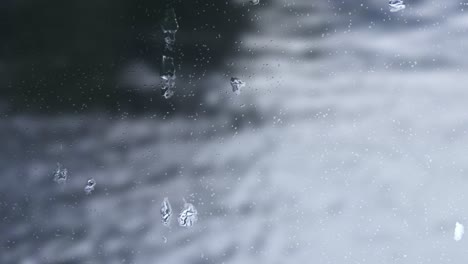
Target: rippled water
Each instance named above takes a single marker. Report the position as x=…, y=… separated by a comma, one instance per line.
x=347, y=145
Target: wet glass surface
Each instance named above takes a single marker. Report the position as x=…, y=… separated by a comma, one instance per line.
x=347, y=143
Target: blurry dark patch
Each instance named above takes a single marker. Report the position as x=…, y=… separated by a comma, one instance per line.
x=63, y=56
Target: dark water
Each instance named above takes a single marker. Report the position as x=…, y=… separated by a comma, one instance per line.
x=348, y=145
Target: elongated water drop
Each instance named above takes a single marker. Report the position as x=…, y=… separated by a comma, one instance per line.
x=169, y=27
x=166, y=212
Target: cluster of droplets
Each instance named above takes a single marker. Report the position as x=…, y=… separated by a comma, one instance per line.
x=396, y=5
x=187, y=217
x=60, y=176
x=169, y=28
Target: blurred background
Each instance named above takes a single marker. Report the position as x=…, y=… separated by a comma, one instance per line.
x=348, y=143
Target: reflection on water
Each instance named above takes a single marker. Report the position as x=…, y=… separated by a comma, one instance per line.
x=347, y=145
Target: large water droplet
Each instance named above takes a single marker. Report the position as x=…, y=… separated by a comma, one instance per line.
x=188, y=216
x=396, y=5
x=60, y=174
x=237, y=85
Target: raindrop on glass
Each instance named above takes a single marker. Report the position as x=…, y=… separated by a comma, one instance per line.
x=90, y=184
x=396, y=5
x=60, y=174
x=188, y=216
x=166, y=212
x=237, y=85
x=254, y=2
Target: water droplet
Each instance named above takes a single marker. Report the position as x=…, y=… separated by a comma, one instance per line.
x=164, y=239
x=254, y=2
x=90, y=184
x=166, y=212
x=237, y=85
x=396, y=5
x=188, y=216
x=459, y=231
x=60, y=174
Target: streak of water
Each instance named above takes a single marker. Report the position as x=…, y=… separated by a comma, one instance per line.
x=169, y=28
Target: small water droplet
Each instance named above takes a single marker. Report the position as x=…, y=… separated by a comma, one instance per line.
x=254, y=2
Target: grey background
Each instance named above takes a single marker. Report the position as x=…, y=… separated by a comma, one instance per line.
x=348, y=144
